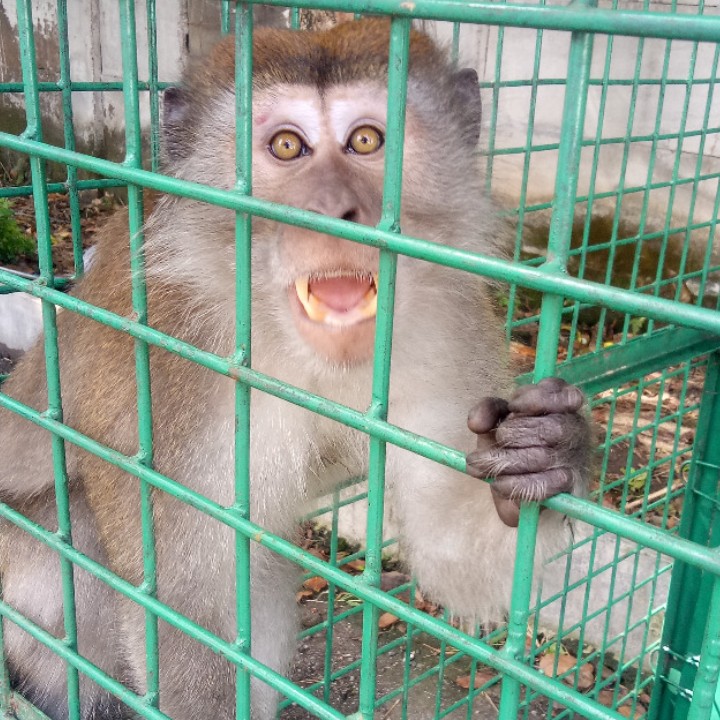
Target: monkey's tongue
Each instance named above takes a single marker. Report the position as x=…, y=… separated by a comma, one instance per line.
x=341, y=300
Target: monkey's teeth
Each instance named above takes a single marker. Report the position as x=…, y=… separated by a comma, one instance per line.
x=319, y=312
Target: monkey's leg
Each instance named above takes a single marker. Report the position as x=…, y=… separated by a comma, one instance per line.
x=31, y=583
x=454, y=541
x=194, y=681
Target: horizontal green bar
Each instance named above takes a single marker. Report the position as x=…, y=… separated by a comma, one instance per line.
x=61, y=283
x=61, y=649
x=365, y=423
x=546, y=280
x=60, y=187
x=603, y=518
x=610, y=82
x=437, y=628
x=614, y=140
x=23, y=710
x=18, y=87
x=172, y=617
x=615, y=365
x=541, y=17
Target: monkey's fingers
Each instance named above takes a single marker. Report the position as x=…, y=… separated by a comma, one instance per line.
x=533, y=487
x=510, y=461
x=486, y=415
x=553, y=430
x=509, y=490
x=508, y=510
x=551, y=395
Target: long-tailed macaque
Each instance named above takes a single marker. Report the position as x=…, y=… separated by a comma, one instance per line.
x=319, y=115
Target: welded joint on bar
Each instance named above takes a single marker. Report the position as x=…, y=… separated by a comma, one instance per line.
x=389, y=224
x=377, y=410
x=31, y=132
x=238, y=360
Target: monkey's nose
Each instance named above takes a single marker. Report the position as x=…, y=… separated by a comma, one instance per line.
x=350, y=215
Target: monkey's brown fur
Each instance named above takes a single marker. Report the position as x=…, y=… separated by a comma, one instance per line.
x=448, y=349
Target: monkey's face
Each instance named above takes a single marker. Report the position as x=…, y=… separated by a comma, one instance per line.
x=323, y=151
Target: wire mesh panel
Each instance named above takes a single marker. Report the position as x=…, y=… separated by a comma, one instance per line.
x=603, y=166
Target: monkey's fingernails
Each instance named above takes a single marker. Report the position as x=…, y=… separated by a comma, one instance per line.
x=551, y=395
x=486, y=415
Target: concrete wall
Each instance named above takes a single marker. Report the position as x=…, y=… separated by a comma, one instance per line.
x=186, y=28
x=189, y=27
x=478, y=48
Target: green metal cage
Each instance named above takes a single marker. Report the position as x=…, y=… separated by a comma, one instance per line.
x=650, y=365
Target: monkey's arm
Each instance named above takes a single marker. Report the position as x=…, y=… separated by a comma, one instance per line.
x=540, y=445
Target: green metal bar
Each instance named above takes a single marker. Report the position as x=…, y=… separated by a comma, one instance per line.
x=681, y=636
x=561, y=224
x=708, y=672
x=52, y=361
x=153, y=91
x=78, y=86
x=69, y=135
x=620, y=189
x=242, y=356
x=5, y=691
x=133, y=158
x=439, y=629
x=522, y=201
x=60, y=187
x=331, y=620
x=575, y=18
x=612, y=366
x=225, y=16
x=564, y=504
x=390, y=221
x=78, y=662
x=503, y=271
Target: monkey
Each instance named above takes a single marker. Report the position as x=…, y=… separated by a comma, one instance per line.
x=319, y=118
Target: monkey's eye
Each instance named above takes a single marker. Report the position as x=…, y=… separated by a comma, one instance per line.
x=287, y=145
x=365, y=140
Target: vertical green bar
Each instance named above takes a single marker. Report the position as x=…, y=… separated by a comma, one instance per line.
x=243, y=294
x=397, y=89
x=225, y=16
x=550, y=319
x=133, y=158
x=708, y=672
x=153, y=85
x=52, y=363
x=69, y=135
x=689, y=599
x=4, y=675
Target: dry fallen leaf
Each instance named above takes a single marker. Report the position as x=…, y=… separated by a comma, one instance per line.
x=607, y=698
x=355, y=566
x=482, y=676
x=585, y=677
x=387, y=620
x=303, y=595
x=565, y=663
x=316, y=584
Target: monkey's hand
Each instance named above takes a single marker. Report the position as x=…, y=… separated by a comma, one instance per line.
x=535, y=445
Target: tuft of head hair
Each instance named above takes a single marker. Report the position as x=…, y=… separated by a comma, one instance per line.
x=344, y=54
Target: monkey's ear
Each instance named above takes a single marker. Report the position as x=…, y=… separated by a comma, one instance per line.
x=176, y=105
x=466, y=88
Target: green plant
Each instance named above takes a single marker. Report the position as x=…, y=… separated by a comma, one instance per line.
x=14, y=244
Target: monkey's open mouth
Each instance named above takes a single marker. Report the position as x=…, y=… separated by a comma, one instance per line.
x=338, y=299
